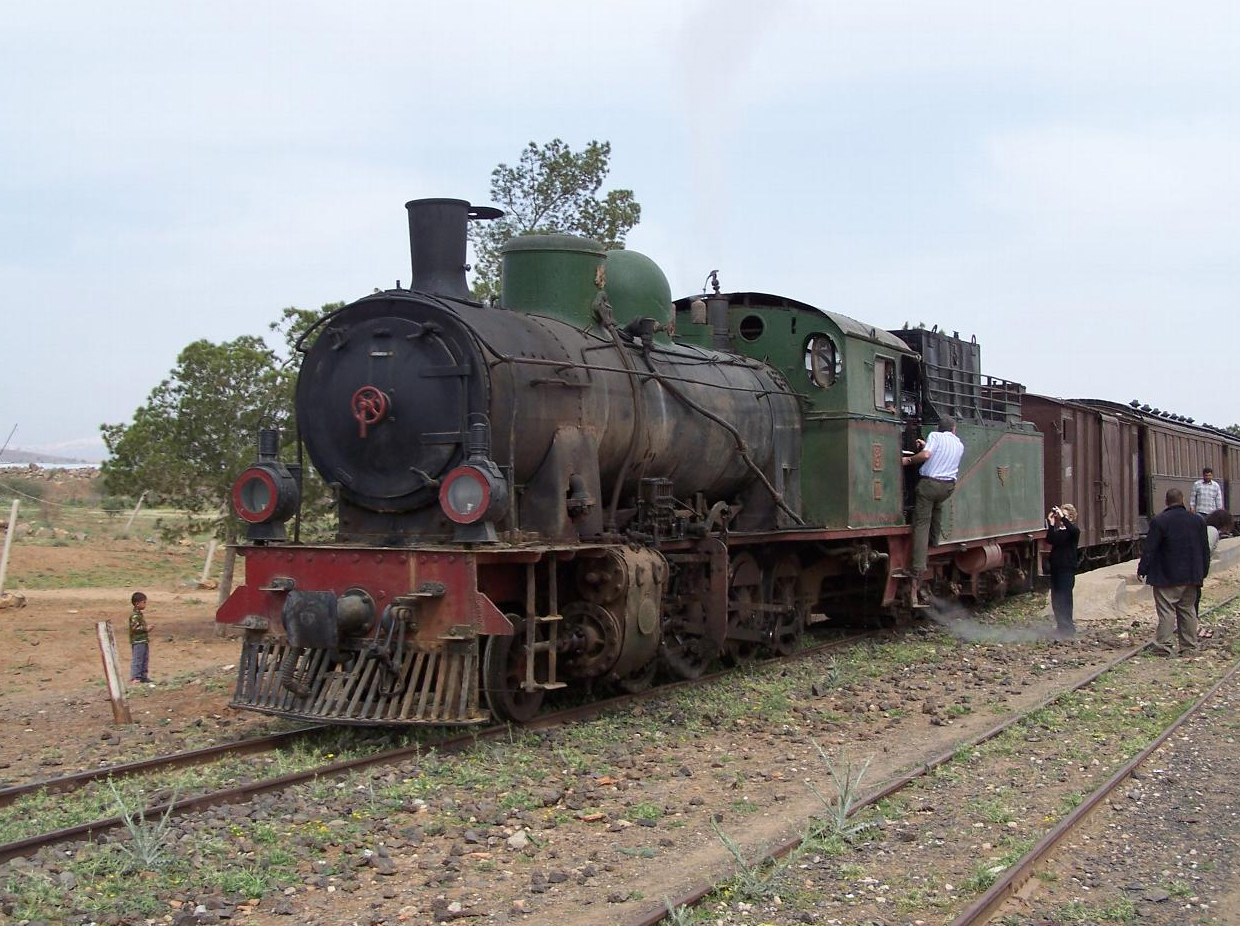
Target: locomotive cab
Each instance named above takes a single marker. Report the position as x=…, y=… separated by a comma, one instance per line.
x=848, y=377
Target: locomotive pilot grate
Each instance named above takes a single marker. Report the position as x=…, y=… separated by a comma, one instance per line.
x=430, y=686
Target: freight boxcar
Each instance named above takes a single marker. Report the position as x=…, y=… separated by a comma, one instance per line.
x=1116, y=462
x=1172, y=451
x=1091, y=460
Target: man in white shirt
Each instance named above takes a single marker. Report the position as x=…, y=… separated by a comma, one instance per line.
x=939, y=457
x=1207, y=495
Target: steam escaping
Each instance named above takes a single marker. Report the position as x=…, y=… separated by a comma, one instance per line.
x=955, y=619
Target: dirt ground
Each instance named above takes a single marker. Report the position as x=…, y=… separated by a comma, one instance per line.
x=1164, y=848
x=54, y=704
x=604, y=867
x=54, y=708
x=56, y=719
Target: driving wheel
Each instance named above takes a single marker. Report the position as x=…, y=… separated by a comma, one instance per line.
x=503, y=675
x=789, y=619
x=684, y=655
x=639, y=679
x=744, y=607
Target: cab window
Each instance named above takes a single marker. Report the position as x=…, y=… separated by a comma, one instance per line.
x=822, y=361
x=885, y=384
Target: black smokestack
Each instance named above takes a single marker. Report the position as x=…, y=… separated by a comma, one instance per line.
x=437, y=244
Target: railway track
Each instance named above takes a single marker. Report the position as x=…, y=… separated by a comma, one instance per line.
x=240, y=793
x=992, y=901
x=187, y=759
x=986, y=905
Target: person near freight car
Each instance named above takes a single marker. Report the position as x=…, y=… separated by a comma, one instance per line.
x=1175, y=562
x=1207, y=494
x=139, y=641
x=1219, y=520
x=1219, y=523
x=1063, y=535
x=939, y=456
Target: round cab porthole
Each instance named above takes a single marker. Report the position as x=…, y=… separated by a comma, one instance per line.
x=752, y=327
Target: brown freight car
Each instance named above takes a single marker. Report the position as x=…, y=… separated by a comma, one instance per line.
x=1173, y=452
x=1091, y=460
x=1116, y=462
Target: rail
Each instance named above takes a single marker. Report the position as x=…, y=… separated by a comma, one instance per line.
x=1015, y=876
x=447, y=745
x=982, y=909
x=968, y=395
x=67, y=783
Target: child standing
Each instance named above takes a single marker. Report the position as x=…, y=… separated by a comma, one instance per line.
x=139, y=640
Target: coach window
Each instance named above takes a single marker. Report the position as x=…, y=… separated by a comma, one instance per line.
x=822, y=361
x=885, y=384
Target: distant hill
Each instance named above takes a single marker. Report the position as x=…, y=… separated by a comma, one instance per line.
x=12, y=455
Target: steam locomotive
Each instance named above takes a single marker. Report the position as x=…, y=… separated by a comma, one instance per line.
x=589, y=483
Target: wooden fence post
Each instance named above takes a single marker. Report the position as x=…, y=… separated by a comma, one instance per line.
x=133, y=514
x=116, y=684
x=8, y=542
x=206, y=567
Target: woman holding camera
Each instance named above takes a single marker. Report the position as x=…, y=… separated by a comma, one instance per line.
x=1063, y=534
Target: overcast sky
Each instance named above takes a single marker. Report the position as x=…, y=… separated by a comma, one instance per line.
x=1059, y=179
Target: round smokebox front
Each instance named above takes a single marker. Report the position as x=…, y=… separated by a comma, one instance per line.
x=383, y=400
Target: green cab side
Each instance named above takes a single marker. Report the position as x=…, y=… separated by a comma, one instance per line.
x=847, y=375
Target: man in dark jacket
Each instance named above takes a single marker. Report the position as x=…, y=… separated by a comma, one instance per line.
x=1175, y=561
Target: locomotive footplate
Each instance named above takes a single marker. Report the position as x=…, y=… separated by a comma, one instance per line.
x=436, y=685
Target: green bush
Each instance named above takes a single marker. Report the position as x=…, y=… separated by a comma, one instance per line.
x=24, y=489
x=115, y=504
